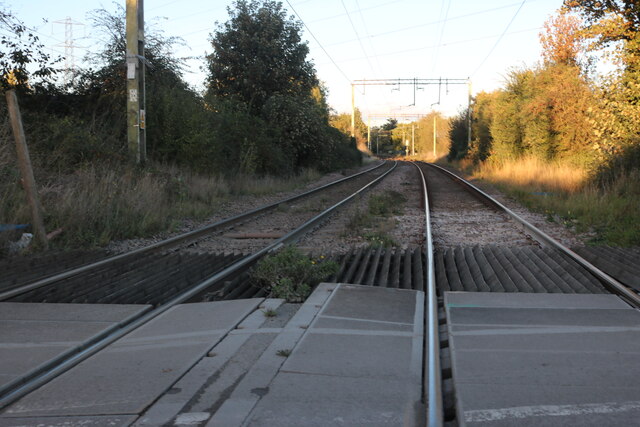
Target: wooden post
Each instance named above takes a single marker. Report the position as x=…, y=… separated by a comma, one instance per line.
x=28, y=181
x=353, y=111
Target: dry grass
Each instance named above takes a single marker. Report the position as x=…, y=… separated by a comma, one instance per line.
x=566, y=194
x=95, y=205
x=535, y=174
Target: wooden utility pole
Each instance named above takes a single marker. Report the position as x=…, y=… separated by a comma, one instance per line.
x=413, y=138
x=469, y=115
x=369, y=134
x=135, y=82
x=28, y=181
x=353, y=111
x=434, y=136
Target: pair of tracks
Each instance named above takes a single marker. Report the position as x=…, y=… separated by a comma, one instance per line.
x=408, y=269
x=142, y=285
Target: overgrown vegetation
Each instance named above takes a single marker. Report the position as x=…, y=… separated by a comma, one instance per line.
x=562, y=130
x=290, y=274
x=268, y=118
x=374, y=224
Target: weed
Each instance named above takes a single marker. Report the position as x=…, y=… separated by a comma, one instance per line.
x=270, y=313
x=388, y=203
x=360, y=220
x=377, y=238
x=290, y=274
x=284, y=353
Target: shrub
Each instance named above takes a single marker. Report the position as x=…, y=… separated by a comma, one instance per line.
x=290, y=274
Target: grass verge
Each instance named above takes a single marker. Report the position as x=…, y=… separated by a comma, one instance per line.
x=96, y=205
x=567, y=194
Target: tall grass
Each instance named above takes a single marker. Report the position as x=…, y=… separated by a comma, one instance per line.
x=570, y=195
x=97, y=204
x=534, y=174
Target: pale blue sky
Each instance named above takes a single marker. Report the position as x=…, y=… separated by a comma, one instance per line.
x=371, y=39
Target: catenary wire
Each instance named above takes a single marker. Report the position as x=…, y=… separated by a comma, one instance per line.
x=499, y=38
x=357, y=36
x=319, y=44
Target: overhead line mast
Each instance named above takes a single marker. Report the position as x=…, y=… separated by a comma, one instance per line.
x=398, y=82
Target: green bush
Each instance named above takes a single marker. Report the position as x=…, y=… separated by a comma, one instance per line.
x=290, y=274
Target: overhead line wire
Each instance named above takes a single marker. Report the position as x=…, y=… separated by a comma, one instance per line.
x=366, y=32
x=412, y=27
x=499, y=38
x=396, y=52
x=326, y=18
x=317, y=41
x=444, y=23
x=358, y=36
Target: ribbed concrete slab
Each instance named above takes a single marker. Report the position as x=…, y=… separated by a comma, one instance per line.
x=358, y=364
x=526, y=269
x=110, y=421
x=555, y=361
x=135, y=370
x=32, y=334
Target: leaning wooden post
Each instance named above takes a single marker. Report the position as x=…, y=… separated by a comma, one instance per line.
x=28, y=181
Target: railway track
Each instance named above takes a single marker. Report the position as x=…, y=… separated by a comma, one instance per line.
x=472, y=242
x=123, y=279
x=523, y=259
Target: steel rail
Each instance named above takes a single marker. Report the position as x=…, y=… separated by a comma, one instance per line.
x=544, y=239
x=167, y=243
x=48, y=371
x=433, y=391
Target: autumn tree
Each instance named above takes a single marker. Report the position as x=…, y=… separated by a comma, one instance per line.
x=614, y=25
x=612, y=22
x=562, y=40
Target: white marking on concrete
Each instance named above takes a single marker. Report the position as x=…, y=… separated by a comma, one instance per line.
x=385, y=322
x=362, y=332
x=545, y=330
x=412, y=408
x=519, y=412
x=256, y=331
x=191, y=418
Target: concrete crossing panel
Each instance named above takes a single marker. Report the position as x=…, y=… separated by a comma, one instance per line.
x=134, y=371
x=536, y=359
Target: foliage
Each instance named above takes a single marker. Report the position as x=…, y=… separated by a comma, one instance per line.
x=342, y=122
x=458, y=132
x=388, y=203
x=290, y=274
x=563, y=41
x=259, y=53
x=272, y=112
x=19, y=50
x=423, y=132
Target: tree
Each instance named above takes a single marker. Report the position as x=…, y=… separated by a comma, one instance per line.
x=18, y=51
x=258, y=53
x=562, y=40
x=613, y=22
x=615, y=25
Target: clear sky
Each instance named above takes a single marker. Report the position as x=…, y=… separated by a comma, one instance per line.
x=367, y=39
